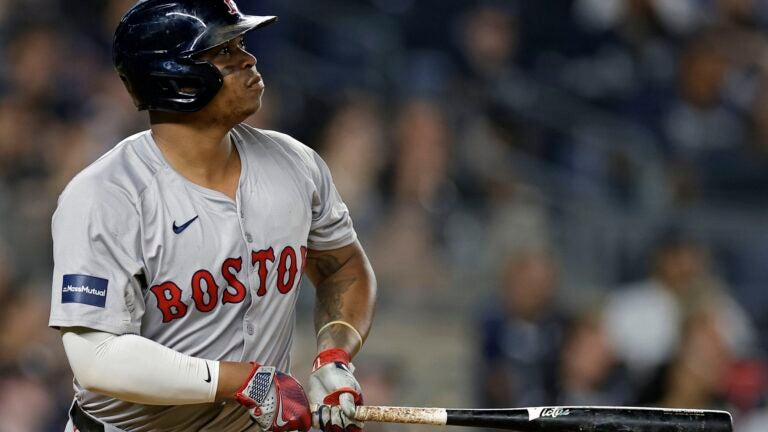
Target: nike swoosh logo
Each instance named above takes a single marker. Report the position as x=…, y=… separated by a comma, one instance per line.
x=179, y=229
x=279, y=422
x=207, y=369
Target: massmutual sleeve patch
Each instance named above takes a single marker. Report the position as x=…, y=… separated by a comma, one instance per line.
x=90, y=290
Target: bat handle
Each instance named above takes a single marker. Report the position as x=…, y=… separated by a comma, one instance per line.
x=430, y=416
x=386, y=414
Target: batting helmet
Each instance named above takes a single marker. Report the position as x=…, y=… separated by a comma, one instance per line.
x=156, y=42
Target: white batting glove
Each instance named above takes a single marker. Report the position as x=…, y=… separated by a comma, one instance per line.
x=276, y=401
x=335, y=392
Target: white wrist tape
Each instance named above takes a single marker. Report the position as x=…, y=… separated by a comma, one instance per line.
x=135, y=369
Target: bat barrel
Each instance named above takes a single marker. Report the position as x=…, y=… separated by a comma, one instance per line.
x=593, y=419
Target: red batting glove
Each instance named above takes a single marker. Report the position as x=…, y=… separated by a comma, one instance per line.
x=276, y=401
x=333, y=387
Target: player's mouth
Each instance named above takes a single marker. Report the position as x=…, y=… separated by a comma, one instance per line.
x=255, y=81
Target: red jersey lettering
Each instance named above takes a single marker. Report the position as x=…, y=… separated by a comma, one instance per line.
x=198, y=295
x=261, y=257
x=283, y=285
x=229, y=270
x=169, y=302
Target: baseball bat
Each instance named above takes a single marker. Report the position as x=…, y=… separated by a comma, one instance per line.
x=557, y=419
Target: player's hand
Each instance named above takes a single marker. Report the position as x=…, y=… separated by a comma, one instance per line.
x=335, y=392
x=275, y=400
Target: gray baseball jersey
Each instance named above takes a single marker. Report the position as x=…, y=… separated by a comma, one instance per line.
x=139, y=249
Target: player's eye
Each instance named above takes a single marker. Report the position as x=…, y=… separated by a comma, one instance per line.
x=224, y=51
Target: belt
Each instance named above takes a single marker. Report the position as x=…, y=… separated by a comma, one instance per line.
x=83, y=421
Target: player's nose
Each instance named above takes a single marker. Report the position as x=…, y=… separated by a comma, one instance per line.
x=249, y=60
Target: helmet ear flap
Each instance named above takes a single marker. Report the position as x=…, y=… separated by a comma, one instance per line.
x=186, y=86
x=186, y=90
x=131, y=91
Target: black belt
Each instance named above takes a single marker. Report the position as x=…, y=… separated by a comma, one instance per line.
x=84, y=422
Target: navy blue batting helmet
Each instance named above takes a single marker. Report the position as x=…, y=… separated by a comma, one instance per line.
x=155, y=46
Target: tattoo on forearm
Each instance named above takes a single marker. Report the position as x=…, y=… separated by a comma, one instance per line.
x=326, y=265
x=330, y=292
x=330, y=299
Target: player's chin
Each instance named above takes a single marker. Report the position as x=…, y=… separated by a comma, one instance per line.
x=249, y=107
x=253, y=93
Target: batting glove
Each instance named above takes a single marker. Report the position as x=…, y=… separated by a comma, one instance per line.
x=276, y=401
x=335, y=392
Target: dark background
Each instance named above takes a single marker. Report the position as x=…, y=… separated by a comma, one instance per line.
x=564, y=200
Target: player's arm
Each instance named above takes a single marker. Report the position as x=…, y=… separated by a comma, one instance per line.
x=346, y=292
x=136, y=369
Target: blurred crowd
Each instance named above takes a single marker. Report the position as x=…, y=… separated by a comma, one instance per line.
x=580, y=183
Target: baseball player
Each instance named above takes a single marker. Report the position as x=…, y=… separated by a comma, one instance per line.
x=178, y=253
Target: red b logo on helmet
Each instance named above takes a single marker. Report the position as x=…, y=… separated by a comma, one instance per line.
x=232, y=7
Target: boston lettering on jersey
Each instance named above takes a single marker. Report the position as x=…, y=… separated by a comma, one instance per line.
x=169, y=295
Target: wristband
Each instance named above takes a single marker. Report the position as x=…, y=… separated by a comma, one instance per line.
x=344, y=323
x=331, y=355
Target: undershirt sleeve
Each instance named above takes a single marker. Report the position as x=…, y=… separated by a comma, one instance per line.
x=135, y=369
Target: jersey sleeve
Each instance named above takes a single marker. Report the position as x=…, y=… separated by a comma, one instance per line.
x=331, y=226
x=97, y=260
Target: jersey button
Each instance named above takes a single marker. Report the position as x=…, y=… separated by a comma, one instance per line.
x=249, y=328
x=249, y=237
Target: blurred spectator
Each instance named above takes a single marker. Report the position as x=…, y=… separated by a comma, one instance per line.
x=420, y=194
x=590, y=372
x=695, y=376
x=353, y=147
x=520, y=334
x=644, y=319
x=422, y=156
x=700, y=122
x=17, y=395
x=32, y=57
x=705, y=129
x=489, y=41
x=740, y=175
x=33, y=368
x=18, y=157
